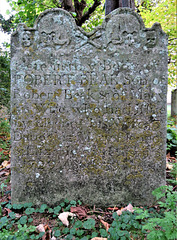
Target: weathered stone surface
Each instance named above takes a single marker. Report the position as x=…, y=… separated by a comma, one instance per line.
x=174, y=103
x=88, y=110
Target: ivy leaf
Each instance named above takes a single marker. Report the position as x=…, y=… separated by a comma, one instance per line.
x=57, y=233
x=23, y=220
x=43, y=208
x=89, y=224
x=79, y=232
x=57, y=209
x=29, y=211
x=17, y=206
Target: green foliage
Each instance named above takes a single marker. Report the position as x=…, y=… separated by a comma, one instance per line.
x=141, y=224
x=2, y=189
x=125, y=226
x=171, y=134
x=57, y=233
x=43, y=208
x=89, y=224
x=57, y=209
x=4, y=140
x=29, y=211
x=162, y=226
x=173, y=175
x=8, y=229
x=23, y=220
x=6, y=25
x=95, y=19
x=4, y=128
x=29, y=10
x=23, y=233
x=4, y=79
x=164, y=13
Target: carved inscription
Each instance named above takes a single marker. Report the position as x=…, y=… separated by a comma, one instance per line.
x=88, y=109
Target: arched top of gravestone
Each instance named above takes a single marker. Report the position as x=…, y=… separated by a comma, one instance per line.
x=53, y=18
x=56, y=28
x=129, y=15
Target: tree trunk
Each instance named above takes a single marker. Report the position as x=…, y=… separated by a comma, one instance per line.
x=113, y=4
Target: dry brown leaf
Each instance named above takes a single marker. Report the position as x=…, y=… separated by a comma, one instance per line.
x=8, y=210
x=46, y=227
x=105, y=224
x=80, y=211
x=112, y=209
x=64, y=217
x=6, y=153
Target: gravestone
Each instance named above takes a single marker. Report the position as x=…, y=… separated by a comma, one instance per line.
x=174, y=103
x=88, y=110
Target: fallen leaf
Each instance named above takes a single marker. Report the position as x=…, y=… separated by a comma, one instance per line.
x=8, y=166
x=53, y=238
x=80, y=211
x=5, y=163
x=6, y=153
x=40, y=228
x=8, y=210
x=112, y=209
x=105, y=224
x=17, y=215
x=128, y=208
x=64, y=217
x=2, y=173
x=119, y=212
x=169, y=166
x=44, y=228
